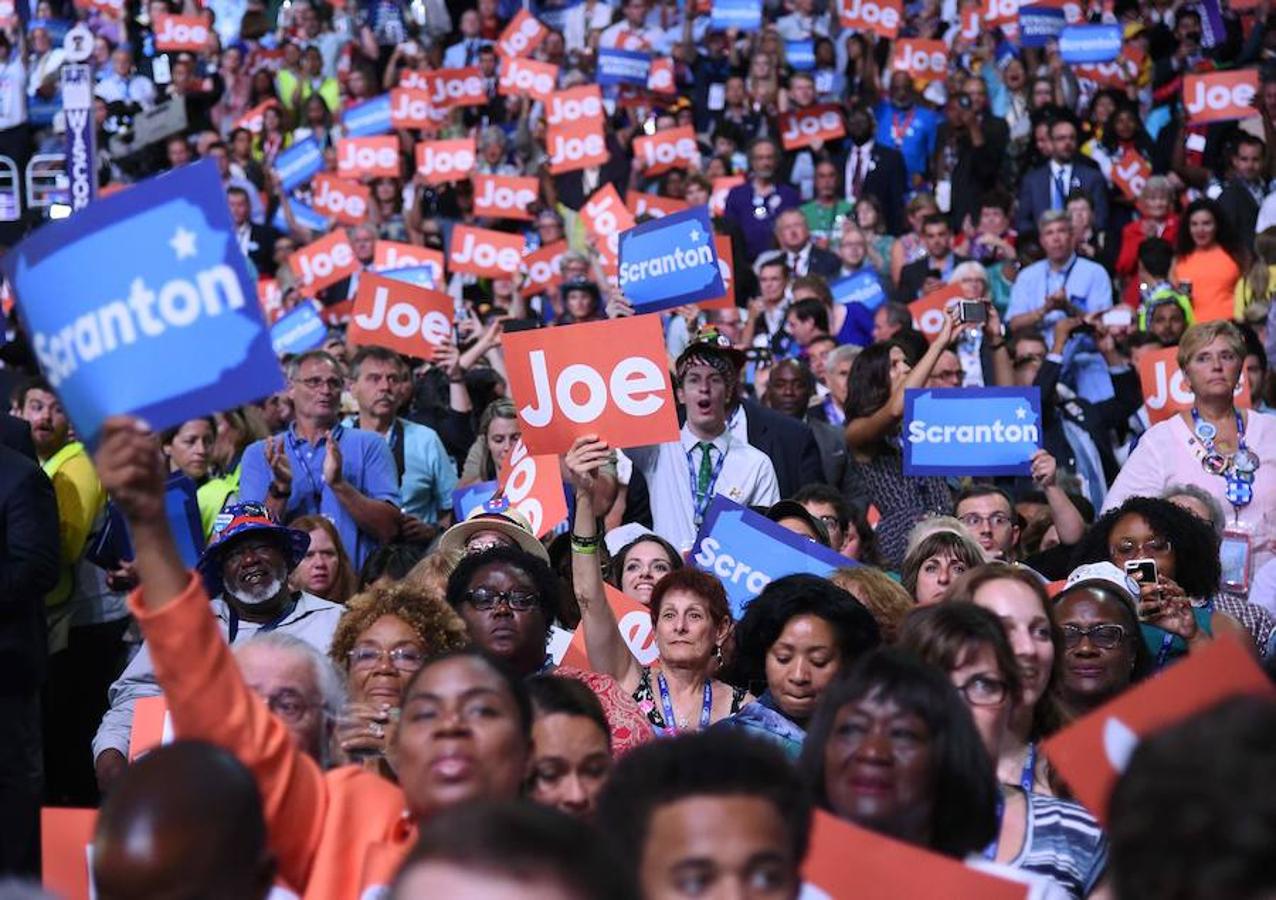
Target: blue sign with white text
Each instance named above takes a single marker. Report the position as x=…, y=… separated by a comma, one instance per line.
x=623, y=67
x=800, y=55
x=748, y=551
x=1087, y=44
x=670, y=261
x=1038, y=25
x=368, y=119
x=469, y=498
x=303, y=215
x=742, y=15
x=300, y=330
x=971, y=431
x=862, y=287
x=141, y=304
x=422, y=276
x=299, y=163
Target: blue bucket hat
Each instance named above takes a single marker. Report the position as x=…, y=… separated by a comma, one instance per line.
x=248, y=518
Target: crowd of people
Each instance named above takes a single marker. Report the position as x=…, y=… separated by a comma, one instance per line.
x=384, y=694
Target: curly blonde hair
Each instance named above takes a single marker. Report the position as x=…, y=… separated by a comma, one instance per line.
x=439, y=628
x=883, y=597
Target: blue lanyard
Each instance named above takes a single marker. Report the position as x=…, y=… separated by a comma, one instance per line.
x=671, y=721
x=990, y=852
x=1029, y=776
x=316, y=485
x=1067, y=273
x=232, y=623
x=1240, y=491
x=700, y=502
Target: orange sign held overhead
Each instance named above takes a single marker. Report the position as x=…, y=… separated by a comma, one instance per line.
x=811, y=125
x=929, y=310
x=1220, y=96
x=484, y=252
x=533, y=486
x=674, y=148
x=324, y=262
x=504, y=196
x=438, y=162
x=405, y=318
x=605, y=378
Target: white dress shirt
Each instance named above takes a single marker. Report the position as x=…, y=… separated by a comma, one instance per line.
x=746, y=477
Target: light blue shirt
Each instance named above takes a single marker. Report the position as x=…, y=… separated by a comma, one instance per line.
x=366, y=464
x=912, y=132
x=1088, y=287
x=429, y=477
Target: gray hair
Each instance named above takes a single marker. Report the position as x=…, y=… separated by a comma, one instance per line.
x=1217, y=518
x=331, y=690
x=968, y=269
x=1050, y=216
x=492, y=135
x=1158, y=184
x=844, y=353
x=295, y=364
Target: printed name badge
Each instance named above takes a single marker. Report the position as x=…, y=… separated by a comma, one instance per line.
x=606, y=378
x=670, y=261
x=469, y=498
x=1092, y=753
x=971, y=431
x=300, y=330
x=187, y=307
x=748, y=551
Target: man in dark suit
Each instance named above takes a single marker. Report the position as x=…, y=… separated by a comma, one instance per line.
x=788, y=391
x=257, y=241
x=29, y=567
x=937, y=236
x=793, y=235
x=979, y=139
x=572, y=189
x=790, y=444
x=15, y=434
x=873, y=170
x=1047, y=187
x=1243, y=193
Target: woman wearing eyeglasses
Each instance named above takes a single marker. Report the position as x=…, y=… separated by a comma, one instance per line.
x=383, y=637
x=1181, y=608
x=1037, y=834
x=1103, y=653
x=1229, y=452
x=690, y=618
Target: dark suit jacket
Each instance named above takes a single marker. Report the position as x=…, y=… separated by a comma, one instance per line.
x=261, y=248
x=886, y=182
x=977, y=168
x=571, y=185
x=1034, y=194
x=913, y=276
x=790, y=444
x=1241, y=209
x=823, y=263
x=28, y=568
x=15, y=434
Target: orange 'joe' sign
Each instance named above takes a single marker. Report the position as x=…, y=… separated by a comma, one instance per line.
x=1220, y=96
x=324, y=262
x=606, y=378
x=484, y=252
x=1166, y=392
x=402, y=317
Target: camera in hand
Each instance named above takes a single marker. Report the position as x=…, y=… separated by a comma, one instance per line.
x=972, y=311
x=1142, y=570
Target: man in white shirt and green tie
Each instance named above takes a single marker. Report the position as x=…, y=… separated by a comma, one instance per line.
x=683, y=475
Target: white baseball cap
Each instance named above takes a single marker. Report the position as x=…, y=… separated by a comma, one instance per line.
x=1103, y=574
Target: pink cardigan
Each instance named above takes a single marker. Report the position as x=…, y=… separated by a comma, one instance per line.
x=1169, y=454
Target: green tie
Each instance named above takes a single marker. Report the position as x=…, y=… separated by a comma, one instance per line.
x=706, y=468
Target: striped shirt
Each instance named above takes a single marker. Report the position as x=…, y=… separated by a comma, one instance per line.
x=1064, y=843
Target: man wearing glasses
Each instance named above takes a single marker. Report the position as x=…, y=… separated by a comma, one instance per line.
x=246, y=571
x=321, y=467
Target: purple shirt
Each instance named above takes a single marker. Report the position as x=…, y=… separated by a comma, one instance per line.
x=756, y=215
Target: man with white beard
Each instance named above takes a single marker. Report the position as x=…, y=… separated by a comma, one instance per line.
x=246, y=573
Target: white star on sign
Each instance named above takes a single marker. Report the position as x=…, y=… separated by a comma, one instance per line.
x=1021, y=413
x=183, y=243
x=695, y=234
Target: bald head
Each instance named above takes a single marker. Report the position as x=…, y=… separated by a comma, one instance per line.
x=184, y=821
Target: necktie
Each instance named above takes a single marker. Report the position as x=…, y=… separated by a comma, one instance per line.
x=705, y=474
x=857, y=178
x=794, y=258
x=1060, y=192
x=469, y=52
